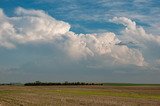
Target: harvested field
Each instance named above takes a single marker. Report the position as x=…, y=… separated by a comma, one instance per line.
x=80, y=95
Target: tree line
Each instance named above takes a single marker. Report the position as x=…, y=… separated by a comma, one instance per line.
x=38, y=83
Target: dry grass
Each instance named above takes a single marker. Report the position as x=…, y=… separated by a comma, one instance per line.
x=79, y=96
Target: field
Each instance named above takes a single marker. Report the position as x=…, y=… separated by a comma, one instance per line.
x=87, y=95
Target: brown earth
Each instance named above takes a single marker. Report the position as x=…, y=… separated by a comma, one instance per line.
x=79, y=96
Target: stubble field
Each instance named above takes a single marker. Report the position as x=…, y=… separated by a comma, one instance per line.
x=80, y=95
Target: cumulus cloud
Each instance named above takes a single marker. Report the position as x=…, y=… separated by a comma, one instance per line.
x=134, y=33
x=32, y=26
x=148, y=43
x=29, y=26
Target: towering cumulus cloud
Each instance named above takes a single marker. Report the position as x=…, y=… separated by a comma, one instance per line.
x=37, y=27
x=30, y=26
x=135, y=33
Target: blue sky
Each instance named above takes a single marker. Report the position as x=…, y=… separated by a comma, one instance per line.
x=79, y=40
x=83, y=15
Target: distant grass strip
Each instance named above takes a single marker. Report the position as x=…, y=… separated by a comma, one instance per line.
x=129, y=84
x=87, y=92
x=108, y=93
x=11, y=91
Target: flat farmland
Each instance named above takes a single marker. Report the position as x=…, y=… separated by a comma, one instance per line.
x=89, y=95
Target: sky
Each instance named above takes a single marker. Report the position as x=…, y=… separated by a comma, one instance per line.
x=80, y=40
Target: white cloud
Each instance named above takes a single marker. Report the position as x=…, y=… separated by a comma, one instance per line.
x=29, y=26
x=135, y=33
x=6, y=31
x=32, y=26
